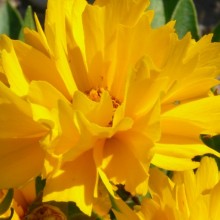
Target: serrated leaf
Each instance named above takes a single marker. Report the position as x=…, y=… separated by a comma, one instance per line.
x=6, y=202
x=186, y=18
x=10, y=20
x=28, y=22
x=216, y=34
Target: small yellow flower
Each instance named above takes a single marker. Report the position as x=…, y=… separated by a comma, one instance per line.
x=21, y=202
x=188, y=196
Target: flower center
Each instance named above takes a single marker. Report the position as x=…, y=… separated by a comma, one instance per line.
x=46, y=212
x=95, y=95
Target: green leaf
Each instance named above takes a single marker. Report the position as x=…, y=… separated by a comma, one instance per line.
x=91, y=1
x=211, y=141
x=28, y=22
x=216, y=34
x=186, y=18
x=169, y=6
x=72, y=210
x=159, y=13
x=214, y=143
x=10, y=20
x=5, y=204
x=39, y=185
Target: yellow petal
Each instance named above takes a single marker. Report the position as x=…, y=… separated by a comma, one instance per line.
x=188, y=133
x=34, y=39
x=12, y=69
x=145, y=131
x=160, y=38
x=121, y=166
x=173, y=163
x=20, y=136
x=102, y=203
x=97, y=112
x=204, y=113
x=26, y=194
x=93, y=25
x=190, y=184
x=160, y=186
x=71, y=183
x=27, y=57
x=149, y=209
x=207, y=175
x=144, y=85
x=124, y=212
x=68, y=145
x=128, y=51
x=43, y=93
x=21, y=160
x=174, y=65
x=125, y=12
x=37, y=39
x=56, y=36
x=181, y=200
x=214, y=202
x=184, y=150
x=207, y=50
x=76, y=43
x=16, y=113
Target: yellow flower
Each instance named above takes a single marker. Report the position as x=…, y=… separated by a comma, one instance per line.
x=27, y=205
x=188, y=196
x=83, y=86
x=187, y=111
x=191, y=69
x=22, y=199
x=88, y=92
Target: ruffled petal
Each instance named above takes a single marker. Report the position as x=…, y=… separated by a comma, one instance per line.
x=75, y=181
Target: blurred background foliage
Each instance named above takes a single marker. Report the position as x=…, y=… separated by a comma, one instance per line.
x=197, y=16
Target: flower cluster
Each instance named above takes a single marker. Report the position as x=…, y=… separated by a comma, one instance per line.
x=92, y=100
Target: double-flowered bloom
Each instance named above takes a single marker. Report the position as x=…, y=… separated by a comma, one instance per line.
x=98, y=96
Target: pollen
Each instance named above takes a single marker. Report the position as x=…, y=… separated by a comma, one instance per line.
x=95, y=95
